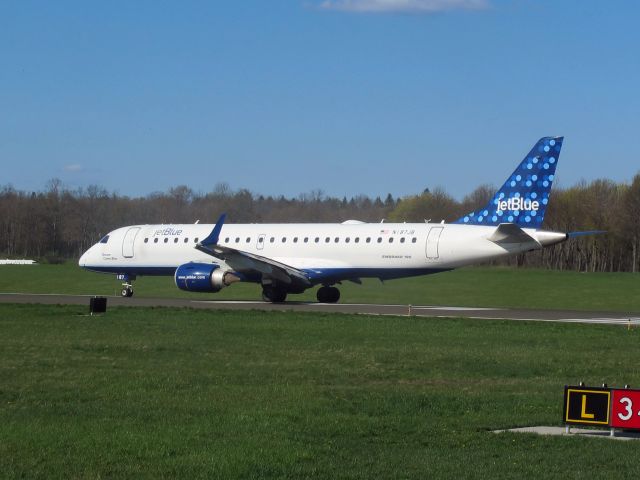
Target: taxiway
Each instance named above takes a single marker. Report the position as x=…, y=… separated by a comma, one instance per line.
x=565, y=316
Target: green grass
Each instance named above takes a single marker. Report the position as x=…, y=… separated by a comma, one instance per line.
x=165, y=393
x=478, y=286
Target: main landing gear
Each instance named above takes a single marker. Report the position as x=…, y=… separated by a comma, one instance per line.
x=273, y=294
x=328, y=294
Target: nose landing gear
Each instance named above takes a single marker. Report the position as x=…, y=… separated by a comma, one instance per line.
x=127, y=290
x=127, y=284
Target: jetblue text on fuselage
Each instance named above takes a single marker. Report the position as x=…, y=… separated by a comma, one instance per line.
x=167, y=231
x=518, y=203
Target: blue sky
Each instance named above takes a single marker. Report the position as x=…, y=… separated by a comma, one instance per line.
x=284, y=97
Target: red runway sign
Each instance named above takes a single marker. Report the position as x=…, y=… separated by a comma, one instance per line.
x=625, y=409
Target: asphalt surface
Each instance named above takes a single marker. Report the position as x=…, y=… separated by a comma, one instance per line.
x=566, y=316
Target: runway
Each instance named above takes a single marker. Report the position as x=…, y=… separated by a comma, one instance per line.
x=564, y=316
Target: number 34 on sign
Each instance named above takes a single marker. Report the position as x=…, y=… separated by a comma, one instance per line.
x=625, y=408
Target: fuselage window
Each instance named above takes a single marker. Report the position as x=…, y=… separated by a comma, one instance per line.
x=402, y=240
x=261, y=240
x=166, y=239
x=327, y=240
x=357, y=240
x=346, y=240
x=175, y=240
x=306, y=239
x=390, y=239
x=368, y=240
x=337, y=240
x=237, y=239
x=272, y=239
x=226, y=240
x=379, y=239
x=146, y=240
x=295, y=239
x=248, y=239
x=284, y=239
x=104, y=239
x=186, y=240
x=155, y=240
x=317, y=239
x=195, y=240
x=414, y=240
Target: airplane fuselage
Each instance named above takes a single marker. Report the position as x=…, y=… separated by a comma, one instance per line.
x=326, y=252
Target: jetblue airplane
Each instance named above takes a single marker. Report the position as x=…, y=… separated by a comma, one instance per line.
x=291, y=258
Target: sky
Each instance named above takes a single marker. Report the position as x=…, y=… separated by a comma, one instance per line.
x=284, y=97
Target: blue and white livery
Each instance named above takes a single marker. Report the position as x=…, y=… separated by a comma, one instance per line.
x=291, y=258
x=524, y=196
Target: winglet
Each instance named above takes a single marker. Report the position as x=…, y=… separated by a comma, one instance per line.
x=213, y=237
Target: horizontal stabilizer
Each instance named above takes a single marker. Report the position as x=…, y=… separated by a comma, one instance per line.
x=510, y=233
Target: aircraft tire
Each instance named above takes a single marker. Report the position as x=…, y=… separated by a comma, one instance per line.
x=273, y=295
x=126, y=292
x=334, y=295
x=328, y=295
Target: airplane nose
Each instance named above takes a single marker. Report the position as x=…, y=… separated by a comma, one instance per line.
x=82, y=261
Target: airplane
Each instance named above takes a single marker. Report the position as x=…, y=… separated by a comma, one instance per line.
x=291, y=258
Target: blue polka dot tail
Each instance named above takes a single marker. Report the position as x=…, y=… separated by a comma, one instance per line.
x=524, y=196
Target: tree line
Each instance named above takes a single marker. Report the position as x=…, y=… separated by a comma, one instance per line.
x=58, y=223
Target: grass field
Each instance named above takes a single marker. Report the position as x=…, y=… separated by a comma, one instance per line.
x=478, y=286
x=164, y=393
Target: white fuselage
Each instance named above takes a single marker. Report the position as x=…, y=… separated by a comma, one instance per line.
x=324, y=251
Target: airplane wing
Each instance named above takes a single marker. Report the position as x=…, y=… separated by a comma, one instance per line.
x=507, y=233
x=245, y=261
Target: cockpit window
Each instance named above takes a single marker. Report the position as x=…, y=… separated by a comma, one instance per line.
x=104, y=239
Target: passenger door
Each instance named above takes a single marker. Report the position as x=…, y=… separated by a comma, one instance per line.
x=128, y=242
x=433, y=239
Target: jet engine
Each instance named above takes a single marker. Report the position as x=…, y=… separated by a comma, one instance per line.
x=203, y=277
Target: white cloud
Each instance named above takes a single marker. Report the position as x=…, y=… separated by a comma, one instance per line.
x=73, y=167
x=403, y=6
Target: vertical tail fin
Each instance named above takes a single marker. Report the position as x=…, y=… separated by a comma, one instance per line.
x=524, y=196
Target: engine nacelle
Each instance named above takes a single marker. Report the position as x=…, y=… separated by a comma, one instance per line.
x=203, y=277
